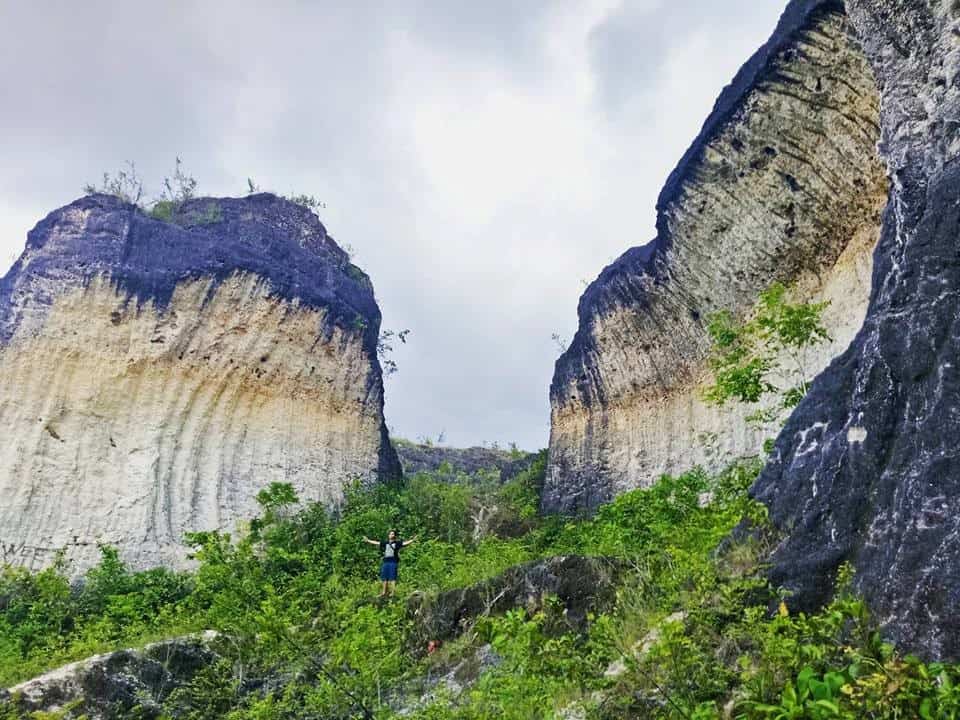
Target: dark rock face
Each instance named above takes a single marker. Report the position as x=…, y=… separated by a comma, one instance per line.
x=867, y=470
x=114, y=685
x=783, y=184
x=415, y=458
x=581, y=584
x=265, y=235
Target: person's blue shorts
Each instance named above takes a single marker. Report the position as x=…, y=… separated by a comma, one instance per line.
x=388, y=571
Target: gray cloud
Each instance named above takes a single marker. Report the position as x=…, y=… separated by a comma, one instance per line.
x=497, y=31
x=630, y=46
x=482, y=158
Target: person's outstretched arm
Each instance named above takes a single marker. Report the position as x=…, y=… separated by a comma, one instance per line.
x=372, y=542
x=411, y=541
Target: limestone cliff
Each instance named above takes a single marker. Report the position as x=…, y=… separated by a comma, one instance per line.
x=154, y=376
x=867, y=470
x=783, y=184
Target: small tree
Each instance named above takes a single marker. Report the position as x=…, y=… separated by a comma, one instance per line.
x=385, y=348
x=125, y=184
x=176, y=191
x=766, y=354
x=278, y=501
x=308, y=201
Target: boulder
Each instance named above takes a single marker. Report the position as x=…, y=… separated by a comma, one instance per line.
x=112, y=685
x=582, y=585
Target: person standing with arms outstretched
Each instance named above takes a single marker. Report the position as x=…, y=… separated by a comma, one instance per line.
x=390, y=553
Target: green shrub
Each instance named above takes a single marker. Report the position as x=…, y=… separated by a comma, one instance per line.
x=522, y=493
x=211, y=213
x=691, y=635
x=766, y=354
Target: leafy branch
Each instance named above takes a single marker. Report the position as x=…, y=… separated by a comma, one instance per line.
x=385, y=348
x=768, y=354
x=125, y=185
x=176, y=190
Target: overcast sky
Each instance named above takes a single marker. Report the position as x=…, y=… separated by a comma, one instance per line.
x=484, y=160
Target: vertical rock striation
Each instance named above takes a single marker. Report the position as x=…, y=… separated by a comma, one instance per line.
x=155, y=376
x=867, y=469
x=783, y=184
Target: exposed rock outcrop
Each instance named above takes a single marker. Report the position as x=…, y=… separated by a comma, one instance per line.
x=448, y=681
x=581, y=584
x=157, y=375
x=503, y=465
x=867, y=469
x=783, y=184
x=126, y=683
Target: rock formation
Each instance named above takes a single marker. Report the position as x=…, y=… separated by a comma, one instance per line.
x=126, y=683
x=785, y=181
x=783, y=184
x=867, y=470
x=157, y=375
x=581, y=585
x=457, y=464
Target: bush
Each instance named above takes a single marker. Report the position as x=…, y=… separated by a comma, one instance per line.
x=176, y=190
x=696, y=631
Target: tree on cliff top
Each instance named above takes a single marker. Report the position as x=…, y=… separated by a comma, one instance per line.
x=125, y=184
x=177, y=189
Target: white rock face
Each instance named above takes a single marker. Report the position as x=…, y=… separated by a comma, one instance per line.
x=131, y=427
x=679, y=430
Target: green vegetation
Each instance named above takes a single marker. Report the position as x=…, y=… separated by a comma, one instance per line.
x=385, y=348
x=696, y=632
x=170, y=211
x=181, y=187
x=125, y=184
x=176, y=190
x=766, y=354
x=310, y=202
x=211, y=213
x=358, y=275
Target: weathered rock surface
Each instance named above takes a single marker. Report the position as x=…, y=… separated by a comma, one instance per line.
x=783, y=184
x=156, y=376
x=126, y=683
x=447, y=682
x=867, y=470
x=502, y=465
x=581, y=584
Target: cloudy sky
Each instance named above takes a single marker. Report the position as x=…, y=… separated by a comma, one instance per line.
x=484, y=160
